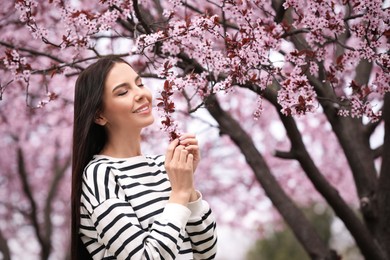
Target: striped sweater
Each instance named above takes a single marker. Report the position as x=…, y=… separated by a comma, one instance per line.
x=125, y=214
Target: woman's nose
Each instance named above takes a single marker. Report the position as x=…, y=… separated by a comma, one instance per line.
x=139, y=93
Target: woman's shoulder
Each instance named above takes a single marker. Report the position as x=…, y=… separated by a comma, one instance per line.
x=106, y=159
x=100, y=161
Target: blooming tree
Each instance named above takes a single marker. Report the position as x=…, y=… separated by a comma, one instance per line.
x=298, y=88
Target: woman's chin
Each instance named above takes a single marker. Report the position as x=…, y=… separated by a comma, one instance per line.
x=149, y=122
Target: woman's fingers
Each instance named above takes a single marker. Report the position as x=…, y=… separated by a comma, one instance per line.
x=177, y=153
x=186, y=135
x=179, y=165
x=190, y=160
x=171, y=150
x=189, y=140
x=183, y=155
x=191, y=147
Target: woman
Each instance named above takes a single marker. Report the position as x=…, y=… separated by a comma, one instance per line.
x=126, y=205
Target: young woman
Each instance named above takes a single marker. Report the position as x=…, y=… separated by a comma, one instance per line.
x=126, y=205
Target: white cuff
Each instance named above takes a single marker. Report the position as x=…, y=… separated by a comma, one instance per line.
x=196, y=206
x=177, y=213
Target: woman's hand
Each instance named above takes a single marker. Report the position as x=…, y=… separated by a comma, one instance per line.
x=179, y=166
x=190, y=143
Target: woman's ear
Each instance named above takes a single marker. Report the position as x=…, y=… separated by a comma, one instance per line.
x=100, y=119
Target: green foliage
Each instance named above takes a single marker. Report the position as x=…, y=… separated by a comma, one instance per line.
x=283, y=245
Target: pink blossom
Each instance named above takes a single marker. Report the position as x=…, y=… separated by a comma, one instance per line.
x=297, y=96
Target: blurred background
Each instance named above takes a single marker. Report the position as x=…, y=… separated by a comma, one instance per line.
x=287, y=174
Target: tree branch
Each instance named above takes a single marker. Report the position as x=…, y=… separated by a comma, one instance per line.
x=378, y=152
x=4, y=248
x=72, y=63
x=277, y=5
x=384, y=182
x=59, y=172
x=362, y=235
x=285, y=155
x=31, y=51
x=371, y=127
x=12, y=207
x=27, y=191
x=294, y=32
x=139, y=17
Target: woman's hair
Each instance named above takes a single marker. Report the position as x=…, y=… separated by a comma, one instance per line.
x=88, y=137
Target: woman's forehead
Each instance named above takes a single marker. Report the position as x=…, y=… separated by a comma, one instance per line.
x=120, y=73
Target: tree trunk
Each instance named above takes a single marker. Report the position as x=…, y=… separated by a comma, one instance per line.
x=294, y=217
x=350, y=133
x=4, y=249
x=364, y=239
x=33, y=215
x=384, y=184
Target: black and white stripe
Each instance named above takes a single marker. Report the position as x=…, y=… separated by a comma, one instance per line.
x=125, y=214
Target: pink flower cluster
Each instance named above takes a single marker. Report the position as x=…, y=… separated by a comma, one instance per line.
x=50, y=97
x=26, y=9
x=358, y=108
x=18, y=65
x=297, y=96
x=167, y=106
x=234, y=43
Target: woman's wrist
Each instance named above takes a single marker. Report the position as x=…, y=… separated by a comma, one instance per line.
x=182, y=197
x=194, y=196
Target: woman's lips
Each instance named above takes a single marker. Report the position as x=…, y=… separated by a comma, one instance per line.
x=142, y=108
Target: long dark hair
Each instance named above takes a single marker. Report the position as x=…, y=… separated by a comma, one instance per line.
x=88, y=137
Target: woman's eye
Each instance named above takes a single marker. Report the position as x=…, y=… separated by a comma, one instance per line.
x=123, y=93
x=140, y=85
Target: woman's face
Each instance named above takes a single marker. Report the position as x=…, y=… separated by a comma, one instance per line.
x=127, y=104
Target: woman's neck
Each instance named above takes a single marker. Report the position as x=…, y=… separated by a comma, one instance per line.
x=122, y=145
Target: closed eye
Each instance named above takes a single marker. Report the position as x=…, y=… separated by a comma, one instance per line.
x=123, y=93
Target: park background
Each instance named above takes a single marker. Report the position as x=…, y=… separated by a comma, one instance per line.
x=289, y=100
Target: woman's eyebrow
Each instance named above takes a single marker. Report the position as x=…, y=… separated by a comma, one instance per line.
x=124, y=84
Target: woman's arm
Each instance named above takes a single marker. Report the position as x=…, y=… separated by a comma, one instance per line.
x=119, y=230
x=201, y=229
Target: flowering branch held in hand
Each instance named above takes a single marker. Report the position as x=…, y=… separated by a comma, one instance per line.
x=168, y=107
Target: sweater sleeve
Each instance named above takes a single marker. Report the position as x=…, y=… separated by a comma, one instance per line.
x=118, y=226
x=201, y=229
x=119, y=230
